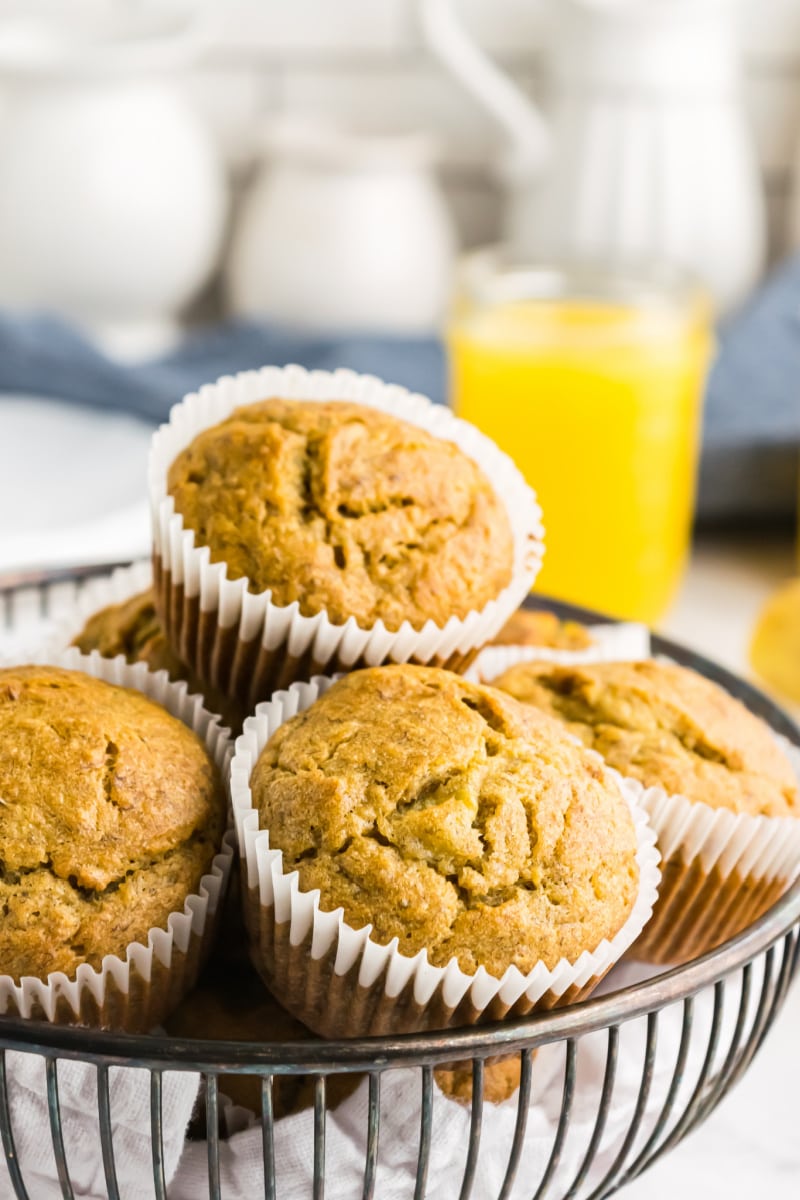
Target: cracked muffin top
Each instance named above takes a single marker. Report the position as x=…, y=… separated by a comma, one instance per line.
x=133, y=628
x=447, y=815
x=666, y=726
x=345, y=509
x=529, y=627
x=110, y=813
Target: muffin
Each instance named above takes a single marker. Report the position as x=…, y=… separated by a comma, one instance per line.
x=132, y=628
x=342, y=525
x=346, y=510
x=235, y=1006
x=501, y=1078
x=537, y=635
x=718, y=780
x=112, y=815
x=461, y=841
x=538, y=627
x=667, y=726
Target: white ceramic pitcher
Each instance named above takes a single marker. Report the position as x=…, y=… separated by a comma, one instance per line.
x=344, y=231
x=113, y=196
x=646, y=153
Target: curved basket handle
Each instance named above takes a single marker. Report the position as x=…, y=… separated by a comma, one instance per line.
x=524, y=125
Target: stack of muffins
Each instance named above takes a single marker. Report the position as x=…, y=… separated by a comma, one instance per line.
x=417, y=850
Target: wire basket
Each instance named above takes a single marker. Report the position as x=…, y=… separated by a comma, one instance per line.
x=610, y=1084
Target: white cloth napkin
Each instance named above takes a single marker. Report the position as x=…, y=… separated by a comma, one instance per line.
x=241, y=1170
x=129, y=1098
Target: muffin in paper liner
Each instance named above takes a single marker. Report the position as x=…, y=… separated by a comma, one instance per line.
x=99, y=592
x=121, y=585
x=341, y=983
x=242, y=643
x=612, y=643
x=136, y=993
x=720, y=870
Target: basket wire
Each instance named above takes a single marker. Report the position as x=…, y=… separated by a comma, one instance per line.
x=746, y=979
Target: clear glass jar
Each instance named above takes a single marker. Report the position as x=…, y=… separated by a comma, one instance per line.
x=592, y=380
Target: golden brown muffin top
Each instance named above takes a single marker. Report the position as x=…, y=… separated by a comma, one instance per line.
x=448, y=815
x=111, y=810
x=133, y=628
x=345, y=509
x=527, y=627
x=667, y=726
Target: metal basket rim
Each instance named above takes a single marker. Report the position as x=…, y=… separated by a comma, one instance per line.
x=160, y=1052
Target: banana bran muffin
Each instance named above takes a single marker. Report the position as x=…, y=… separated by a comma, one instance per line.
x=111, y=812
x=529, y=627
x=133, y=628
x=235, y=1006
x=448, y=815
x=667, y=726
x=722, y=796
x=345, y=509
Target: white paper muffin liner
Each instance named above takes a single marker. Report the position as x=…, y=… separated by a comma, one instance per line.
x=612, y=643
x=341, y=983
x=246, y=645
x=721, y=870
x=136, y=993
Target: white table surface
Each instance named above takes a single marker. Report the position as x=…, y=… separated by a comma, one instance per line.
x=57, y=510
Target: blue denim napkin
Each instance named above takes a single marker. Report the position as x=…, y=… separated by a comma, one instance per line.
x=45, y=357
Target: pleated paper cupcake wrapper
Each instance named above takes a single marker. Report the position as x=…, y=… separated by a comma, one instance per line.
x=136, y=993
x=121, y=585
x=248, y=646
x=339, y=981
x=721, y=871
x=612, y=643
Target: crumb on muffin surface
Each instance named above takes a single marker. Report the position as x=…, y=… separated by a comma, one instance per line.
x=667, y=726
x=111, y=813
x=448, y=815
x=346, y=509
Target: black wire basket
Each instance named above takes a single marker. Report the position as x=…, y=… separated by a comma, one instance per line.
x=628, y=1073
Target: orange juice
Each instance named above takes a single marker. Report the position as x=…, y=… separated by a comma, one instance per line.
x=597, y=397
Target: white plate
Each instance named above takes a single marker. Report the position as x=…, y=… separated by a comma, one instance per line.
x=72, y=484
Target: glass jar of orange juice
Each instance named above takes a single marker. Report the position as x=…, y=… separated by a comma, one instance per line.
x=592, y=381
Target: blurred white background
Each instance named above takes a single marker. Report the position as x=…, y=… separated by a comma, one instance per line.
x=362, y=62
